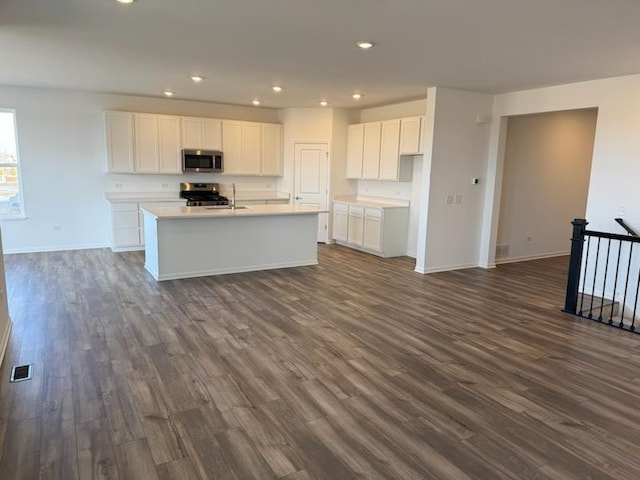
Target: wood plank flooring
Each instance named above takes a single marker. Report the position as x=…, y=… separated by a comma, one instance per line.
x=356, y=368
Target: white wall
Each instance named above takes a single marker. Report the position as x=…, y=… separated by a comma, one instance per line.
x=455, y=152
x=545, y=182
x=62, y=154
x=615, y=169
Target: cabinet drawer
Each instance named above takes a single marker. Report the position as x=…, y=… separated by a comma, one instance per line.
x=125, y=207
x=340, y=207
x=356, y=210
x=373, y=212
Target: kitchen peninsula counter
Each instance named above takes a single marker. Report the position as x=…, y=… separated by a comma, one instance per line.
x=184, y=242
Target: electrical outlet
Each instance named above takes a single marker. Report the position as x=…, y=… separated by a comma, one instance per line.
x=118, y=185
x=458, y=198
x=449, y=199
x=529, y=238
x=164, y=185
x=57, y=228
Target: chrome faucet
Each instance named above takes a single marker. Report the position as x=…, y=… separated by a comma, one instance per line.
x=233, y=196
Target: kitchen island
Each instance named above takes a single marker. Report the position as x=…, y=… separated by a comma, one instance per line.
x=184, y=242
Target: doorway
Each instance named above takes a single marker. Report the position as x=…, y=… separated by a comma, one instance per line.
x=311, y=184
x=547, y=165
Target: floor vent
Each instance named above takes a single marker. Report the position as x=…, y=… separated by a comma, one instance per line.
x=20, y=372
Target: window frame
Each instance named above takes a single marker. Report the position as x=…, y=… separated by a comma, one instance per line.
x=18, y=165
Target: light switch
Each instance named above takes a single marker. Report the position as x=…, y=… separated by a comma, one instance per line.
x=458, y=198
x=449, y=199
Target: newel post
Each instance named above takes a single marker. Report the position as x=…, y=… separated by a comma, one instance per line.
x=575, y=264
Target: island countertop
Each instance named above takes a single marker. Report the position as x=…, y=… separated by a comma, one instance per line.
x=243, y=211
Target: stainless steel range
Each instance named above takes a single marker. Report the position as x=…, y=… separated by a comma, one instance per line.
x=203, y=194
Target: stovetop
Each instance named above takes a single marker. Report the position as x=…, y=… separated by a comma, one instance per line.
x=202, y=194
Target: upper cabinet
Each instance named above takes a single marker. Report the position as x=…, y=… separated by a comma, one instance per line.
x=201, y=133
x=411, y=135
x=252, y=148
x=375, y=150
x=119, y=137
x=150, y=143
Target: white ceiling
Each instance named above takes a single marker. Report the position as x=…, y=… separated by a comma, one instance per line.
x=243, y=47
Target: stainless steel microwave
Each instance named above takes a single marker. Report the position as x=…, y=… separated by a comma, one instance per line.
x=202, y=161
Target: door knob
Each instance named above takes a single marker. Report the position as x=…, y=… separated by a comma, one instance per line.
x=298, y=198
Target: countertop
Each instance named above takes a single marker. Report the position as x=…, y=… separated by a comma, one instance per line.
x=371, y=202
x=163, y=213
x=122, y=197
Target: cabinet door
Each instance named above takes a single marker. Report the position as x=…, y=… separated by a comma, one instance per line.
x=410, y=137
x=272, y=160
x=126, y=231
x=146, y=143
x=232, y=147
x=371, y=152
x=340, y=222
x=389, y=156
x=119, y=139
x=373, y=229
x=212, y=134
x=355, y=234
x=192, y=136
x=169, y=144
x=355, y=146
x=251, y=148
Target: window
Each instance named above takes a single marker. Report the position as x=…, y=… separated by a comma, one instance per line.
x=10, y=192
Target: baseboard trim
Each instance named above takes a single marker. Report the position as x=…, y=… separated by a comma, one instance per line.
x=526, y=258
x=63, y=248
x=448, y=268
x=5, y=340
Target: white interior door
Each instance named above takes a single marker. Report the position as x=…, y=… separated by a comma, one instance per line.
x=311, y=181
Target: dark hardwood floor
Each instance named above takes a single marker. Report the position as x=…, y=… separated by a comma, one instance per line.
x=356, y=368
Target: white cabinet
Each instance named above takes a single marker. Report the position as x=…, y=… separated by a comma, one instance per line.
x=371, y=151
x=119, y=139
x=142, y=143
x=340, y=221
x=252, y=148
x=170, y=160
x=125, y=225
x=373, y=228
x=377, y=229
x=411, y=136
x=355, y=230
x=128, y=226
x=389, y=158
x=379, y=150
x=201, y=133
x=272, y=158
x=145, y=129
x=355, y=149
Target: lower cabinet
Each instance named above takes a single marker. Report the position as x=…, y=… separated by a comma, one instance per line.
x=128, y=226
x=379, y=230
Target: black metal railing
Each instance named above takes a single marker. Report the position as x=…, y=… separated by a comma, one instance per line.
x=629, y=230
x=604, y=276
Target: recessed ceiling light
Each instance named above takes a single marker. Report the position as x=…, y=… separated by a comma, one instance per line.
x=276, y=88
x=256, y=102
x=197, y=78
x=168, y=93
x=356, y=96
x=125, y=1
x=324, y=103
x=365, y=45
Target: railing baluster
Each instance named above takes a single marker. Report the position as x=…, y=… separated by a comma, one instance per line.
x=604, y=282
x=615, y=281
x=626, y=288
x=595, y=273
x=632, y=327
